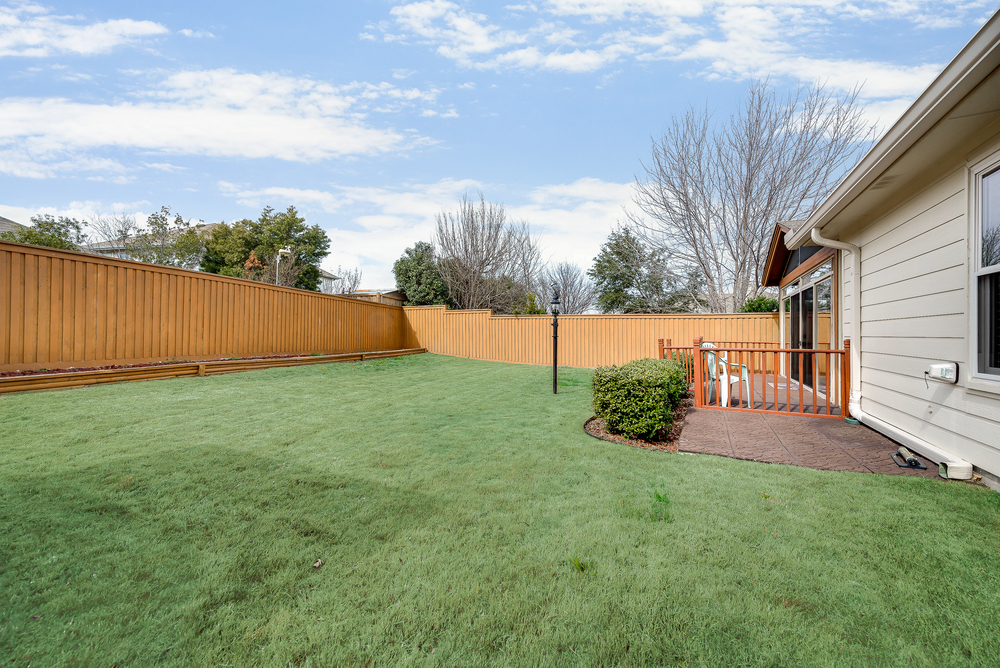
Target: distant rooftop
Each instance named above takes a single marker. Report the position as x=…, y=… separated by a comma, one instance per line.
x=8, y=225
x=203, y=228
x=383, y=291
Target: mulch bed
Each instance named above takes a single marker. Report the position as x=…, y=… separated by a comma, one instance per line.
x=74, y=369
x=666, y=440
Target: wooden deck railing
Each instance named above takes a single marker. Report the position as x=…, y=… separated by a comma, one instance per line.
x=761, y=377
x=685, y=354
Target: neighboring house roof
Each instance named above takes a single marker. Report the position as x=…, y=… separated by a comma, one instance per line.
x=8, y=225
x=112, y=246
x=323, y=273
x=954, y=106
x=385, y=293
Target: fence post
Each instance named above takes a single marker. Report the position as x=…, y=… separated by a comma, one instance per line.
x=699, y=386
x=845, y=378
x=659, y=342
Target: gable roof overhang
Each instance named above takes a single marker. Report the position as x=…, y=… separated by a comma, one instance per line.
x=777, y=257
x=954, y=107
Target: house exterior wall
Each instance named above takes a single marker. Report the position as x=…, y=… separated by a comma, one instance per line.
x=916, y=311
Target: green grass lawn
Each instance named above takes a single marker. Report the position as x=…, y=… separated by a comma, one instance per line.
x=463, y=518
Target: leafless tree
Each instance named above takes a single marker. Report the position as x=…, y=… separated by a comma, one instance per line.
x=276, y=269
x=173, y=242
x=486, y=261
x=347, y=281
x=991, y=246
x=112, y=230
x=711, y=194
x=576, y=290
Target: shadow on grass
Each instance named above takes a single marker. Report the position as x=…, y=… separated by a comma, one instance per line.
x=165, y=556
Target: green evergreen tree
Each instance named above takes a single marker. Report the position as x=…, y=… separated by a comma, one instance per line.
x=759, y=304
x=229, y=247
x=630, y=278
x=417, y=275
x=62, y=232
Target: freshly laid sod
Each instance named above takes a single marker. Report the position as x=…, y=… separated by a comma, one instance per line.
x=463, y=517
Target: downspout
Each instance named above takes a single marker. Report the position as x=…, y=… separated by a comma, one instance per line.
x=855, y=401
x=950, y=466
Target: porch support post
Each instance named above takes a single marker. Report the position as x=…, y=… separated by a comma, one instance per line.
x=699, y=380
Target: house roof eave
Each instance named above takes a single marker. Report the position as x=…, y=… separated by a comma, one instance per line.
x=973, y=64
x=777, y=256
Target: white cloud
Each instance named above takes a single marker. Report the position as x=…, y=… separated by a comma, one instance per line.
x=721, y=39
x=187, y=32
x=376, y=225
x=605, y=10
x=164, y=167
x=328, y=202
x=459, y=34
x=208, y=112
x=572, y=220
x=80, y=210
x=29, y=30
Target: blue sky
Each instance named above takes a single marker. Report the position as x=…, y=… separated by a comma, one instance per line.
x=372, y=116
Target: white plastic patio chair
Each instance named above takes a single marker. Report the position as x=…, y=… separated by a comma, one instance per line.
x=719, y=367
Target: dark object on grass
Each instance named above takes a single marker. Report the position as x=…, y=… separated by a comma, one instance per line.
x=906, y=459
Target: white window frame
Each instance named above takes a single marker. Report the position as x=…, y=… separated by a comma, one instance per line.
x=978, y=380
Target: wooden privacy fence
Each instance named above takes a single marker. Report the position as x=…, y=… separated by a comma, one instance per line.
x=63, y=309
x=584, y=340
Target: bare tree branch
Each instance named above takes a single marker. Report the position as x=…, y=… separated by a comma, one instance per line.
x=347, y=281
x=486, y=262
x=111, y=231
x=577, y=290
x=711, y=195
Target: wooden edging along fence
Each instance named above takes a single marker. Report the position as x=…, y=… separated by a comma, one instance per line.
x=53, y=381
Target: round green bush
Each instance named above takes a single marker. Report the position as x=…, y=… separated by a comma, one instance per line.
x=637, y=399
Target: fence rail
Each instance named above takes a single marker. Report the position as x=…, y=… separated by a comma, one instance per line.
x=60, y=309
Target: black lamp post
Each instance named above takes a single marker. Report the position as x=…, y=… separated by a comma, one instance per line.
x=555, y=337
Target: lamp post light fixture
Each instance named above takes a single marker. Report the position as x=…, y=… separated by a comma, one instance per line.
x=555, y=338
x=277, y=262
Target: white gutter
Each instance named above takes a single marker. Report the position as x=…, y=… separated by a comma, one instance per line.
x=950, y=466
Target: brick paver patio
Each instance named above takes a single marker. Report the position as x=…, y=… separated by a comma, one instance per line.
x=817, y=443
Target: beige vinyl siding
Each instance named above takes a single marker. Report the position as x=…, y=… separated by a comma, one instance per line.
x=846, y=301
x=914, y=300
